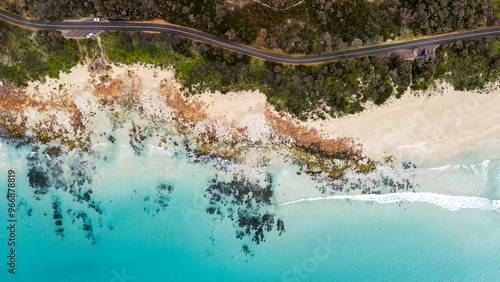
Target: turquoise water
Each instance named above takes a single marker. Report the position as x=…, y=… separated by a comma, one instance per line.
x=165, y=215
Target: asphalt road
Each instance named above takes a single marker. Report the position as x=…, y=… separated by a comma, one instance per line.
x=220, y=42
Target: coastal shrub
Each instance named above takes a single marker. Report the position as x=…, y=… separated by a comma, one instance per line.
x=335, y=88
x=314, y=26
x=480, y=66
x=27, y=55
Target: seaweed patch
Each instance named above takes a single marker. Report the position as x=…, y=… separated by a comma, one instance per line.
x=245, y=203
x=38, y=180
x=380, y=181
x=57, y=216
x=161, y=198
x=87, y=227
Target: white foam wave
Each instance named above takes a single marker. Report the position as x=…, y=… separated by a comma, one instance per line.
x=442, y=168
x=476, y=168
x=100, y=145
x=285, y=172
x=169, y=151
x=452, y=203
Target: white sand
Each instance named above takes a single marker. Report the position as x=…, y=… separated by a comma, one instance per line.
x=243, y=109
x=422, y=127
x=417, y=127
x=76, y=87
x=234, y=105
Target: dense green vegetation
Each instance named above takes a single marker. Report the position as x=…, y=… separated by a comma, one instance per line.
x=466, y=65
x=496, y=8
x=27, y=55
x=314, y=26
x=335, y=88
x=470, y=64
x=338, y=87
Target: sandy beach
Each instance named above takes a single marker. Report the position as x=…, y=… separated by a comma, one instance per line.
x=439, y=123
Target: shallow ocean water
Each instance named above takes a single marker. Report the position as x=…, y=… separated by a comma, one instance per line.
x=165, y=215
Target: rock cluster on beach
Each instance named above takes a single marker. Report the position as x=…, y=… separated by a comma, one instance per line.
x=121, y=106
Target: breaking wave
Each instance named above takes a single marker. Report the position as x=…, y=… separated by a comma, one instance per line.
x=452, y=203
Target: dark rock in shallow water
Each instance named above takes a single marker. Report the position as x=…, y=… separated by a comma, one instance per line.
x=161, y=199
x=240, y=234
x=242, y=191
x=74, y=177
x=280, y=226
x=165, y=187
x=163, y=195
x=64, y=174
x=86, y=196
x=39, y=180
x=87, y=227
x=57, y=215
x=93, y=205
x=256, y=224
x=246, y=250
x=211, y=210
x=244, y=203
x=21, y=143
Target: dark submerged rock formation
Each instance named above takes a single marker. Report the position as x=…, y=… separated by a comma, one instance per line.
x=245, y=203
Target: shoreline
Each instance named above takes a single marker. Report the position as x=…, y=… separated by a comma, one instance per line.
x=435, y=124
x=139, y=107
x=439, y=123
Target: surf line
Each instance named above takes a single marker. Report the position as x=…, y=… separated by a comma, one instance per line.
x=449, y=202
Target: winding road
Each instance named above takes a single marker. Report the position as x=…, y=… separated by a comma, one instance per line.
x=220, y=42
